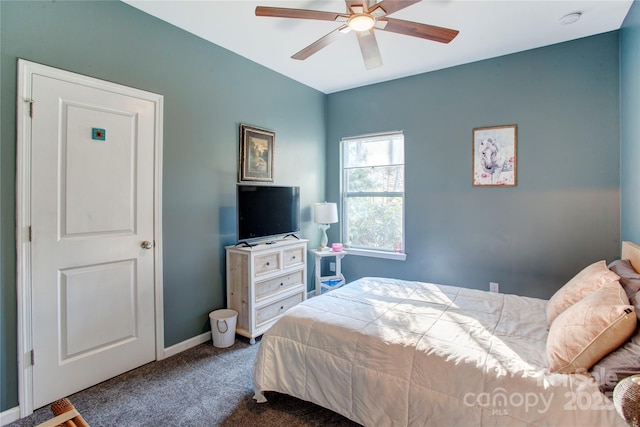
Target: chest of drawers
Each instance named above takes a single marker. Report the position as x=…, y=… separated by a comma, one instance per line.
x=263, y=282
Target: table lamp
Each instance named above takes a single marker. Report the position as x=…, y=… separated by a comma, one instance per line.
x=325, y=214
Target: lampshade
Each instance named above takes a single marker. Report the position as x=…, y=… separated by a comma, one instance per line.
x=325, y=213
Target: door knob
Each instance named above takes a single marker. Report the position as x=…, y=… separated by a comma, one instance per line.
x=146, y=245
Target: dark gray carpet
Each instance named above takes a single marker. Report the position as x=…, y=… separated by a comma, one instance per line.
x=203, y=386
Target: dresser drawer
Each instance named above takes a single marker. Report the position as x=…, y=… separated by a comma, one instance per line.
x=267, y=263
x=294, y=256
x=278, y=284
x=271, y=311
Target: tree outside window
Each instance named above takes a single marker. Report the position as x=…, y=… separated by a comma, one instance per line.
x=373, y=191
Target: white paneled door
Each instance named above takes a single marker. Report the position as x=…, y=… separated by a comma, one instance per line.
x=92, y=234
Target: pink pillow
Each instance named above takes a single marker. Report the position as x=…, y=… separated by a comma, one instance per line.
x=587, y=281
x=590, y=329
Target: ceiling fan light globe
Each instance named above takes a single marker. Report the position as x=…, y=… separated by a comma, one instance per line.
x=361, y=22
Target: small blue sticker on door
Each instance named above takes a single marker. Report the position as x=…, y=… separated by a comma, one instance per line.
x=98, y=134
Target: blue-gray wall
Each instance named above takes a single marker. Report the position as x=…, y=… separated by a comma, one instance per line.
x=564, y=212
x=630, y=124
x=207, y=92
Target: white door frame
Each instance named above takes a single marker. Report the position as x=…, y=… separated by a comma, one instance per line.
x=26, y=70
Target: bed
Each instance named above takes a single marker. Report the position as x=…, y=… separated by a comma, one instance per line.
x=387, y=352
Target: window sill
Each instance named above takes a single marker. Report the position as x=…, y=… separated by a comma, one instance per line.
x=398, y=256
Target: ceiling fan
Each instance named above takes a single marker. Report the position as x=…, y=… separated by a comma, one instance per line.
x=363, y=20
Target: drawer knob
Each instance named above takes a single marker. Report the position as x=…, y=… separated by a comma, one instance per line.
x=281, y=284
x=267, y=263
x=282, y=307
x=293, y=257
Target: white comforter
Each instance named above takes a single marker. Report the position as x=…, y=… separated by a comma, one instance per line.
x=386, y=352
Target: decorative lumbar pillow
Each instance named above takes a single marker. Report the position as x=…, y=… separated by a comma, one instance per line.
x=587, y=281
x=590, y=329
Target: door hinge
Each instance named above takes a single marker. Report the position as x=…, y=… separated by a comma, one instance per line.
x=31, y=104
x=33, y=359
x=30, y=233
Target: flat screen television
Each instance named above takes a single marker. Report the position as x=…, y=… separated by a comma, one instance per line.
x=267, y=211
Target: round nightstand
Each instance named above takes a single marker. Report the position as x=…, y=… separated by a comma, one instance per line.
x=626, y=399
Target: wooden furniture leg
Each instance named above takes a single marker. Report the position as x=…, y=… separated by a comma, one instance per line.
x=66, y=415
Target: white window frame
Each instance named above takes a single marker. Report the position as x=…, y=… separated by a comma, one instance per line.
x=370, y=252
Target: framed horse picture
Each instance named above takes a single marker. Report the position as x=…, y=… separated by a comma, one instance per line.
x=495, y=156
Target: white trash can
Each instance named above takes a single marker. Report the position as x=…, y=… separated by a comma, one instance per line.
x=223, y=327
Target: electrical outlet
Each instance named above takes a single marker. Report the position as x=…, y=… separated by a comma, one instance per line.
x=332, y=267
x=494, y=287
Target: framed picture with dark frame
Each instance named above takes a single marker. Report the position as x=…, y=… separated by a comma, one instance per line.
x=256, y=154
x=494, y=156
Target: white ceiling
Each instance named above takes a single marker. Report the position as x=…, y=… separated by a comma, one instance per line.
x=487, y=29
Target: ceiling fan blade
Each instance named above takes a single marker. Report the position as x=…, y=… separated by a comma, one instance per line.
x=416, y=29
x=283, y=12
x=391, y=6
x=319, y=44
x=369, y=49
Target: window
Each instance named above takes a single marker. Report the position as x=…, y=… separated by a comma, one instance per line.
x=373, y=194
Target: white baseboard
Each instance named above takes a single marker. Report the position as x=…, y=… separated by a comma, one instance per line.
x=9, y=416
x=187, y=344
x=13, y=414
